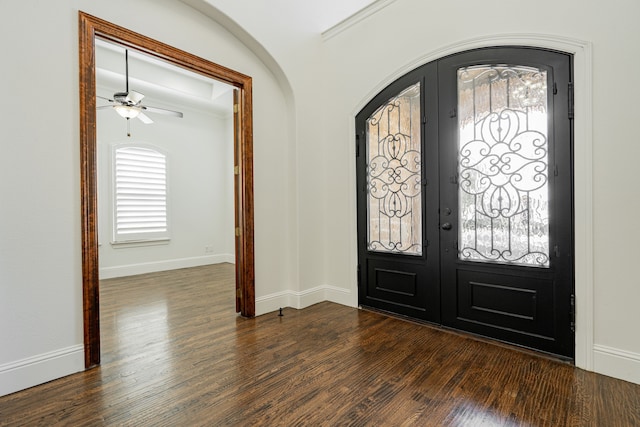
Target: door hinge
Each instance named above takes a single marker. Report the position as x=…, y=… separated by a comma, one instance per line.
x=239, y=293
x=556, y=250
x=235, y=108
x=358, y=275
x=555, y=88
x=453, y=113
x=236, y=170
x=555, y=170
x=424, y=120
x=357, y=145
x=237, y=231
x=573, y=313
x=453, y=179
x=570, y=107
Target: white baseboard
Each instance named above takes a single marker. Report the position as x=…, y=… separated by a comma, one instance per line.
x=302, y=299
x=171, y=264
x=29, y=372
x=616, y=363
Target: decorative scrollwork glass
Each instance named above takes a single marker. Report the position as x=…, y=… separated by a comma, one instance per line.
x=394, y=175
x=503, y=165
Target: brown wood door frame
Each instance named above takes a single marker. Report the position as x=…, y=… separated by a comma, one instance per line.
x=91, y=27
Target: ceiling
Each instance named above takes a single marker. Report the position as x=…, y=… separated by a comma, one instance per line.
x=163, y=84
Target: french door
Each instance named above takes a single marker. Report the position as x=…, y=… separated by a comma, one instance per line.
x=465, y=196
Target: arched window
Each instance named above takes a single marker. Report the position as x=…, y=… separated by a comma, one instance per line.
x=139, y=194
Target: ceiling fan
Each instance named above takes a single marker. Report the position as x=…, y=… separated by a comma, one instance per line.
x=128, y=104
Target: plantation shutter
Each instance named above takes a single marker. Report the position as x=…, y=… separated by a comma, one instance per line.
x=140, y=194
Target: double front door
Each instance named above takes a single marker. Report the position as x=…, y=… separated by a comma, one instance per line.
x=465, y=196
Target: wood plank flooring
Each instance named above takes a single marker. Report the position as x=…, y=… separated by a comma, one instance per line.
x=176, y=354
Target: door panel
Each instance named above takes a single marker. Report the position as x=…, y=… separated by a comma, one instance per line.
x=397, y=204
x=500, y=158
x=506, y=301
x=487, y=158
x=397, y=287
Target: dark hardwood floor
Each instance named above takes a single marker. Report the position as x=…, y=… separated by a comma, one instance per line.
x=174, y=353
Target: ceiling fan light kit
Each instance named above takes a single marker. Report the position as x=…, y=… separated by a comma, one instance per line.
x=127, y=112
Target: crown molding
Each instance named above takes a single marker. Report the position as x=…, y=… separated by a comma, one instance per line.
x=362, y=14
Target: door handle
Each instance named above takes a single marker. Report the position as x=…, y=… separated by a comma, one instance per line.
x=446, y=226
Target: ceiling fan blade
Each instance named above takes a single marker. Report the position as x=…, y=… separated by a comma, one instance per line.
x=162, y=111
x=131, y=99
x=106, y=99
x=103, y=107
x=144, y=118
x=134, y=97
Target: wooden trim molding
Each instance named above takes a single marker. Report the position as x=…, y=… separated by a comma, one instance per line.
x=91, y=27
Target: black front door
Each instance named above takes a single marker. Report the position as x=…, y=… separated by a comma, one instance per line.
x=465, y=203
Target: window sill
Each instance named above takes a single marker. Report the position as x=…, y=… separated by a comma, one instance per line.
x=140, y=243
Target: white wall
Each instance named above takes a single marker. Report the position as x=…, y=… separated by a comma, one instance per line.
x=332, y=79
x=40, y=221
x=199, y=149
